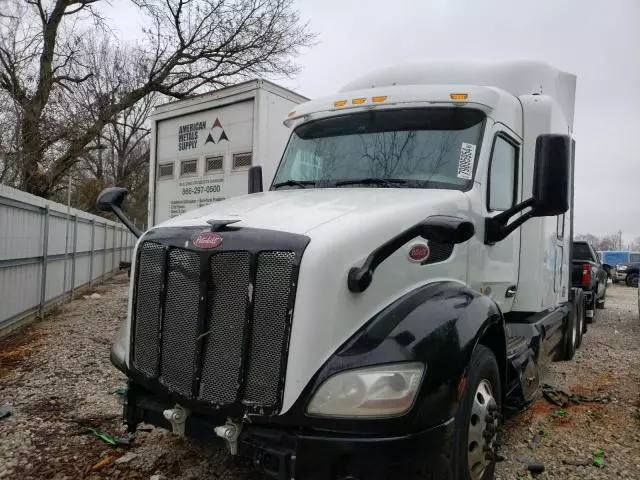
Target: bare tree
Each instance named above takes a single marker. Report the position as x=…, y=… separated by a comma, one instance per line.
x=46, y=62
x=606, y=242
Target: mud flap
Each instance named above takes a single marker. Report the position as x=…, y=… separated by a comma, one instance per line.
x=523, y=374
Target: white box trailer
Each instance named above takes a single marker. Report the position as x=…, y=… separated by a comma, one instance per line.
x=202, y=147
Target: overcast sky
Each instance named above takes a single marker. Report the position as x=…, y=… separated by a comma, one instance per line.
x=597, y=40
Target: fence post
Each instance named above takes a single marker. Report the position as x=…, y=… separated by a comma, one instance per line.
x=45, y=248
x=73, y=255
x=114, y=260
x=120, y=248
x=104, y=252
x=93, y=234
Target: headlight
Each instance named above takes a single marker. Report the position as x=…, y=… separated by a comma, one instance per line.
x=383, y=391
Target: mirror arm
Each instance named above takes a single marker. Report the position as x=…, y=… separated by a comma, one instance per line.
x=123, y=218
x=436, y=228
x=360, y=278
x=496, y=228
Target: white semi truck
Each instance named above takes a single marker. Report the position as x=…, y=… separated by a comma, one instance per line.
x=202, y=147
x=397, y=288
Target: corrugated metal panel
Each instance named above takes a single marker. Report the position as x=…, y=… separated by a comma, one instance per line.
x=84, y=237
x=98, y=264
x=19, y=289
x=83, y=264
x=20, y=233
x=31, y=226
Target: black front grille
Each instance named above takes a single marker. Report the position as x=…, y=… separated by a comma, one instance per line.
x=180, y=325
x=213, y=327
x=227, y=313
x=270, y=304
x=147, y=313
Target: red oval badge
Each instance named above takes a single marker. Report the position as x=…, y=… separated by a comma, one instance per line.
x=207, y=240
x=419, y=252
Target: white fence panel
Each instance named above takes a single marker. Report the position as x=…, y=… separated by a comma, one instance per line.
x=47, y=251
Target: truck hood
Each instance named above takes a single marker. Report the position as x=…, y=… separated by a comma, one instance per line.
x=302, y=211
x=344, y=226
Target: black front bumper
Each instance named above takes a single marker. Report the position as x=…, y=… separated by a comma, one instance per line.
x=304, y=454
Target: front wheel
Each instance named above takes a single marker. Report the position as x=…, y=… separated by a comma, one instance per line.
x=478, y=418
x=632, y=280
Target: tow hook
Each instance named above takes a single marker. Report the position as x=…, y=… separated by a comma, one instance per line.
x=230, y=432
x=177, y=416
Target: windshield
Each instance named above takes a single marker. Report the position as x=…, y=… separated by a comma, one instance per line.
x=419, y=148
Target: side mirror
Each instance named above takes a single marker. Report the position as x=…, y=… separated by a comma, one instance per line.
x=111, y=197
x=255, y=179
x=551, y=175
x=110, y=200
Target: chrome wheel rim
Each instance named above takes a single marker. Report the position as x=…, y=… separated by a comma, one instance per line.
x=483, y=427
x=574, y=334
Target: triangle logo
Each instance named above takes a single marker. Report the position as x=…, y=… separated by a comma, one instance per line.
x=223, y=136
x=216, y=123
x=210, y=139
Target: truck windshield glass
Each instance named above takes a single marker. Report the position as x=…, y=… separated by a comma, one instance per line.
x=414, y=148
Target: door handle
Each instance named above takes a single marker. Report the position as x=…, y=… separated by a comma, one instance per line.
x=511, y=291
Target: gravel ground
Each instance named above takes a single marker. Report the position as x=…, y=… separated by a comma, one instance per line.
x=607, y=364
x=57, y=377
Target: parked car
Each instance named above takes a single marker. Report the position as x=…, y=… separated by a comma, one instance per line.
x=590, y=275
x=628, y=273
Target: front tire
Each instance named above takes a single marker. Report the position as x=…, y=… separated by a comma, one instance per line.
x=477, y=420
x=632, y=280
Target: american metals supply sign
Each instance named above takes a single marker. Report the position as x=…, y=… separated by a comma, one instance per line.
x=195, y=158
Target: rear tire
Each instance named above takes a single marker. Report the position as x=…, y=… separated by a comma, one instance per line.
x=590, y=308
x=582, y=324
x=600, y=302
x=571, y=338
x=632, y=280
x=477, y=420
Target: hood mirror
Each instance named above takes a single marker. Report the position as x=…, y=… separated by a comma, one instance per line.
x=110, y=200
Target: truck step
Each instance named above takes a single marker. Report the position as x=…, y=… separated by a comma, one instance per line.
x=516, y=345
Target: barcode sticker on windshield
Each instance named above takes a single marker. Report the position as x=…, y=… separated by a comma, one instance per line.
x=465, y=163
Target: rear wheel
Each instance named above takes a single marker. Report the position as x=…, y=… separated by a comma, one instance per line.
x=590, y=309
x=573, y=336
x=600, y=301
x=632, y=280
x=582, y=324
x=478, y=418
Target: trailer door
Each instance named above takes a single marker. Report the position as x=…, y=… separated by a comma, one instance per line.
x=202, y=157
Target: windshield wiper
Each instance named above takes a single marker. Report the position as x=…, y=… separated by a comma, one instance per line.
x=294, y=183
x=387, y=182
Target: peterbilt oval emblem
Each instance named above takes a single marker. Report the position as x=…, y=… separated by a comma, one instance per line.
x=419, y=252
x=207, y=240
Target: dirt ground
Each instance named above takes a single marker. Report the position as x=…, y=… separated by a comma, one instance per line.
x=57, y=377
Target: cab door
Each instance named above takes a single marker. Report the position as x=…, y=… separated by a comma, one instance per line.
x=502, y=192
